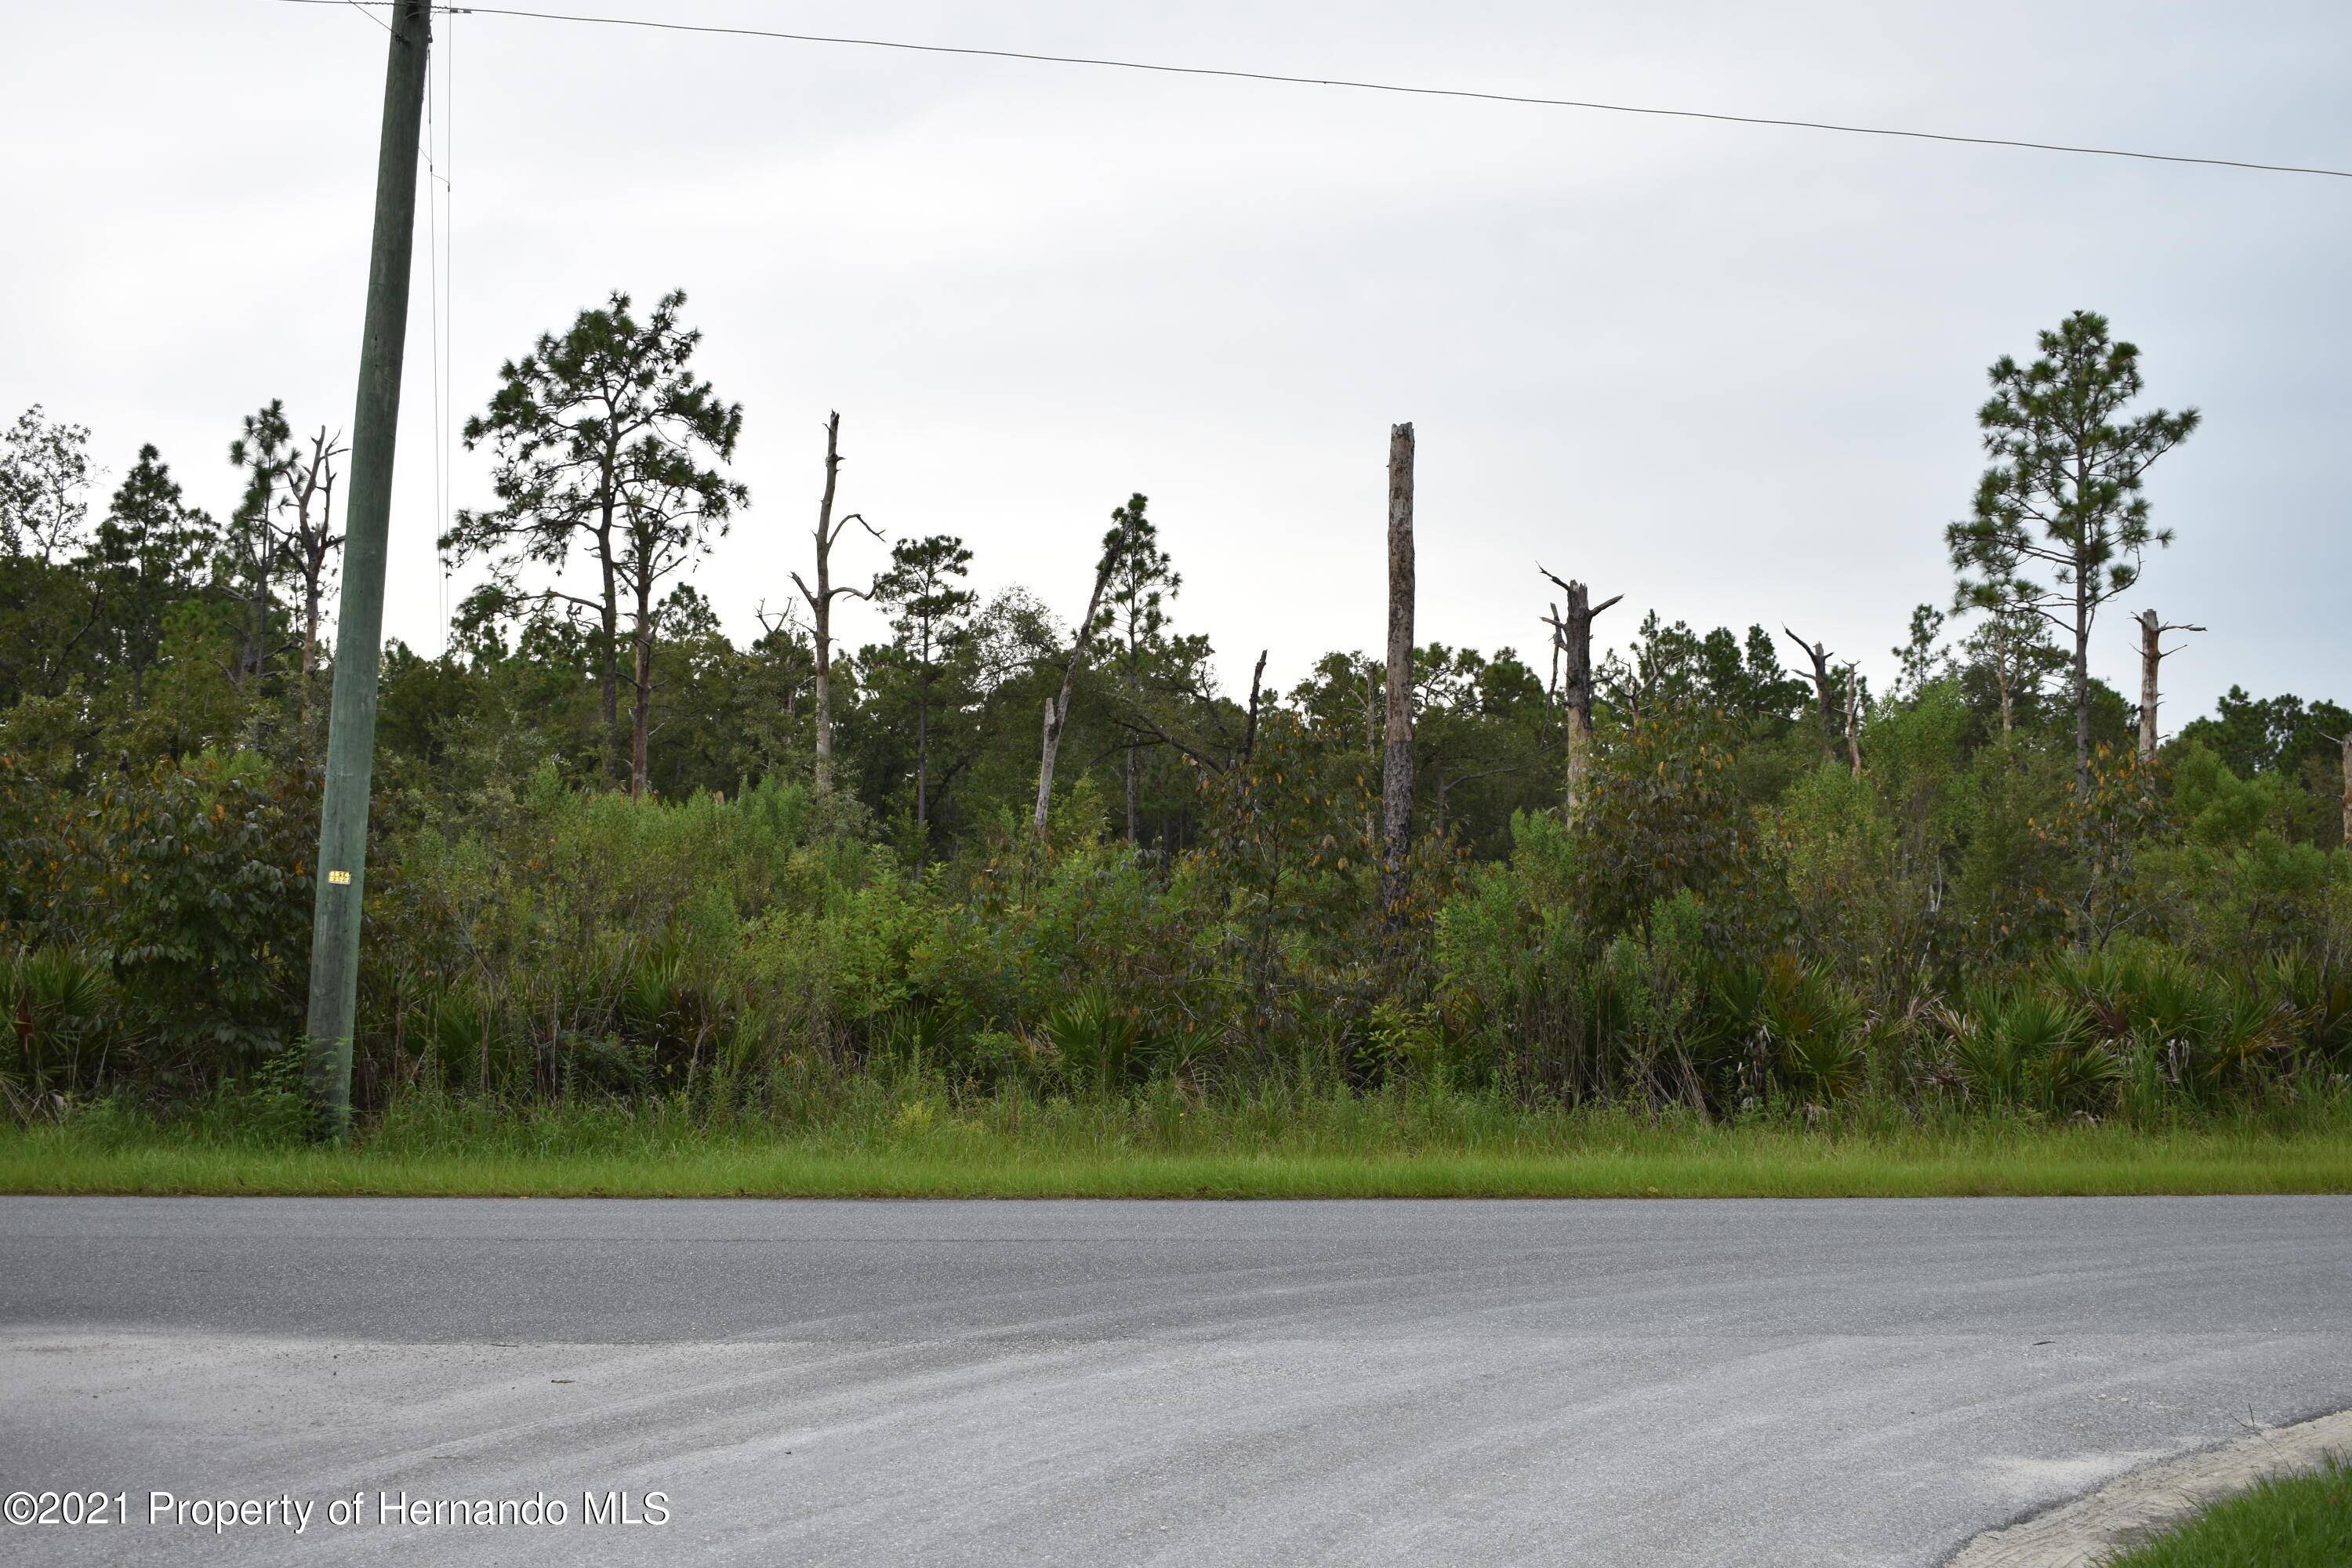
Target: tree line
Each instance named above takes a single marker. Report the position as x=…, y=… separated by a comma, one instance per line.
x=1347, y=871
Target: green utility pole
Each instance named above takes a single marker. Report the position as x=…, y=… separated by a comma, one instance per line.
x=359, y=631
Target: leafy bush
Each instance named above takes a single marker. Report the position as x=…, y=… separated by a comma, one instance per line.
x=1792, y=1020
x=190, y=886
x=1728, y=929
x=1095, y=1040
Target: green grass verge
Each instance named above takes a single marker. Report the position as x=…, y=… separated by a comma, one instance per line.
x=877, y=1141
x=2287, y=1521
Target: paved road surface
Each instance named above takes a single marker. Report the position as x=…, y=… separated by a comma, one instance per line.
x=1613, y=1384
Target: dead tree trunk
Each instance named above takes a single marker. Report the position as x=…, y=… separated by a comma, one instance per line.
x=641, y=696
x=2001, y=672
x=820, y=598
x=2345, y=740
x=1249, y=730
x=1853, y=719
x=1819, y=653
x=608, y=659
x=1571, y=635
x=1396, y=772
x=1057, y=708
x=2152, y=653
x=314, y=541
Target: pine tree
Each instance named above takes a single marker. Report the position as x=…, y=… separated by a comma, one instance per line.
x=2065, y=490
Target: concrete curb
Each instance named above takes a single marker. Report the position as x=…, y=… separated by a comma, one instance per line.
x=2124, y=1512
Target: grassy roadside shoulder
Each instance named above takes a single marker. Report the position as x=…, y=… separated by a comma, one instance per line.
x=885, y=1144
x=2284, y=1521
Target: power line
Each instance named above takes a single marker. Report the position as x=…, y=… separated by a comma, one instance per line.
x=363, y=11
x=1238, y=75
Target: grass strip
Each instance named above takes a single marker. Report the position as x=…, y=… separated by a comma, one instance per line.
x=1137, y=1151
x=2285, y=1521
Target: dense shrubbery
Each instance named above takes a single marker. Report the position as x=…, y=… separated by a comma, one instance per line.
x=1951, y=928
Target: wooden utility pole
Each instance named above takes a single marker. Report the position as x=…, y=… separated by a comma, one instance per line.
x=820, y=598
x=359, y=632
x=1571, y=633
x=1819, y=652
x=1396, y=771
x=2152, y=653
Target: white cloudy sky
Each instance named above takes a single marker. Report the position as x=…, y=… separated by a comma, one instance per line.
x=1728, y=372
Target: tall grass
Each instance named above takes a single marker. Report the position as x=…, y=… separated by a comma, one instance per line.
x=2284, y=1521
x=912, y=1136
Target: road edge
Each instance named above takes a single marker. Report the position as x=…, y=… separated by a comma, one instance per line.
x=2124, y=1512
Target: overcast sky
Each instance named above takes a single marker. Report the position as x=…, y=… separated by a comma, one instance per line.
x=1729, y=372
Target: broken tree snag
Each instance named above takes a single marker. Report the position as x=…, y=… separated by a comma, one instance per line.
x=1057, y=708
x=820, y=598
x=314, y=539
x=2152, y=653
x=1853, y=719
x=1571, y=633
x=1249, y=730
x=1396, y=769
x=2000, y=673
x=1555, y=702
x=1819, y=653
x=2345, y=740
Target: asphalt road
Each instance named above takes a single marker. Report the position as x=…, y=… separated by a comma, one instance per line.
x=1613, y=1384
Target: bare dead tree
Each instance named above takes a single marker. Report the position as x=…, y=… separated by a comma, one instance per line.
x=311, y=539
x=1571, y=647
x=1249, y=730
x=1396, y=772
x=1819, y=653
x=820, y=598
x=2152, y=653
x=1854, y=718
x=1057, y=708
x=1551, y=690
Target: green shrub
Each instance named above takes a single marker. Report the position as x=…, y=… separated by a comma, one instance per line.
x=1095, y=1040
